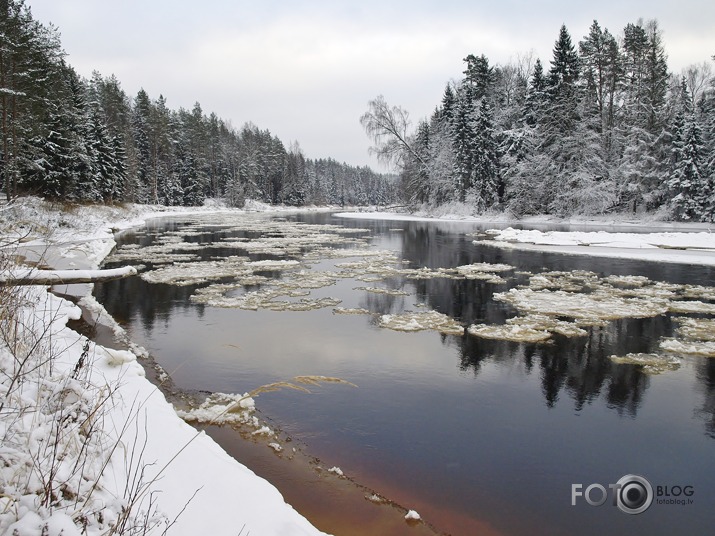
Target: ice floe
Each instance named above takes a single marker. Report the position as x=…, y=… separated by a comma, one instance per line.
x=420, y=321
x=651, y=363
x=509, y=332
x=587, y=309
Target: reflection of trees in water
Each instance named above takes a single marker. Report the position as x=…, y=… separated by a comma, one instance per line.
x=706, y=375
x=382, y=303
x=578, y=367
x=132, y=296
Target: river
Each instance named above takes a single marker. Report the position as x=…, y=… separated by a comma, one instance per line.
x=467, y=430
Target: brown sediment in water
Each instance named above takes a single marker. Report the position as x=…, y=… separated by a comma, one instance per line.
x=344, y=506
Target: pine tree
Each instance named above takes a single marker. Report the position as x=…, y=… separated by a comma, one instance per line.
x=691, y=188
x=31, y=70
x=479, y=76
x=102, y=151
x=463, y=137
x=488, y=188
x=536, y=96
x=147, y=191
x=601, y=63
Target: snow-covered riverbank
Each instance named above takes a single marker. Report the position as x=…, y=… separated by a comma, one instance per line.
x=675, y=242
x=87, y=441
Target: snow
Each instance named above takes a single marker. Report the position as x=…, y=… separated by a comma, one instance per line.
x=412, y=516
x=336, y=470
x=32, y=275
x=135, y=441
x=687, y=243
x=678, y=247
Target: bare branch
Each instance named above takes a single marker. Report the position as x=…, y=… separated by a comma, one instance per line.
x=387, y=126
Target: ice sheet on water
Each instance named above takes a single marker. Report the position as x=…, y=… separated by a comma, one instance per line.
x=679, y=346
x=222, y=408
x=383, y=290
x=220, y=296
x=350, y=311
x=541, y=322
x=692, y=306
x=193, y=273
x=482, y=267
x=651, y=363
x=426, y=320
x=698, y=292
x=509, y=332
x=697, y=329
x=587, y=309
x=575, y=281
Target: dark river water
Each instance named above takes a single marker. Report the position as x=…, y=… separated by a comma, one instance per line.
x=453, y=426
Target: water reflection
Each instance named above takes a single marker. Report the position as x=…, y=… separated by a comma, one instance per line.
x=706, y=375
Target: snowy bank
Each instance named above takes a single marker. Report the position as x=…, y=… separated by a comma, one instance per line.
x=676, y=247
x=659, y=241
x=89, y=445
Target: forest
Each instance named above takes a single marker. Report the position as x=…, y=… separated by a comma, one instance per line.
x=70, y=139
x=604, y=128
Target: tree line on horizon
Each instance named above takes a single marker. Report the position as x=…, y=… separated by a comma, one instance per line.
x=605, y=127
x=72, y=139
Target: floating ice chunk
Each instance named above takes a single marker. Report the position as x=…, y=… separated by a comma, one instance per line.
x=699, y=291
x=412, y=516
x=310, y=279
x=276, y=447
x=468, y=270
x=221, y=408
x=677, y=346
x=549, y=323
x=336, y=470
x=651, y=363
x=349, y=311
x=699, y=329
x=575, y=281
x=382, y=290
x=192, y=273
x=599, y=305
x=264, y=430
x=422, y=321
x=515, y=333
x=692, y=307
x=271, y=265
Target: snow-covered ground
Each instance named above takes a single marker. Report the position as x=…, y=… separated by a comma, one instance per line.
x=676, y=247
x=85, y=437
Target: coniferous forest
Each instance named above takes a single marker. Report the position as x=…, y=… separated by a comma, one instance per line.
x=604, y=127
x=71, y=139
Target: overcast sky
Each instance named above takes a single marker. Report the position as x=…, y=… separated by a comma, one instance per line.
x=306, y=69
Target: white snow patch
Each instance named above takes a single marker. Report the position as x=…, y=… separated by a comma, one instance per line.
x=336, y=470
x=678, y=247
x=412, y=516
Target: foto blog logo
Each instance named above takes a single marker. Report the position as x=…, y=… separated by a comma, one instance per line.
x=632, y=494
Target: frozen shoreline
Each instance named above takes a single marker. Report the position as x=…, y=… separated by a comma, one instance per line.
x=673, y=242
x=199, y=488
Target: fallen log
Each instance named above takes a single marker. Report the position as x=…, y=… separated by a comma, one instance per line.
x=33, y=276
